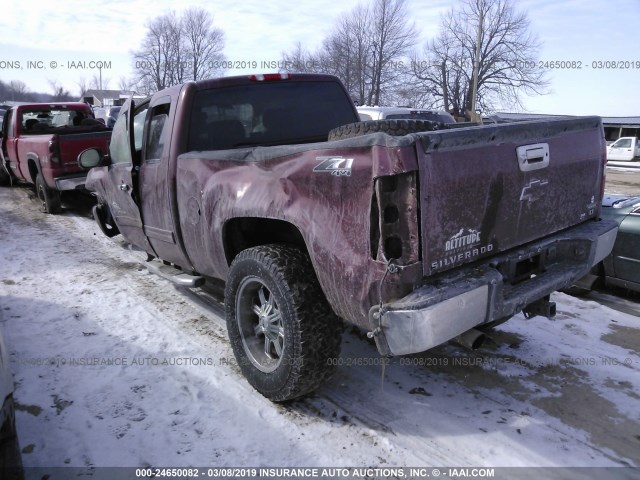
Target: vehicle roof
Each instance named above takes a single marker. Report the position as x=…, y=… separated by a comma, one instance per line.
x=70, y=105
x=242, y=80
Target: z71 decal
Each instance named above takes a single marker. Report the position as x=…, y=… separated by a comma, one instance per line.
x=337, y=166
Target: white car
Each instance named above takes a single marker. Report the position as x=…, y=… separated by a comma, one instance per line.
x=395, y=113
x=625, y=149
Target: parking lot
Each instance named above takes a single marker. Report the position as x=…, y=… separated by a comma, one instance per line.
x=119, y=367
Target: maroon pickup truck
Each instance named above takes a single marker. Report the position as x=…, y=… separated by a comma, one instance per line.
x=412, y=230
x=41, y=143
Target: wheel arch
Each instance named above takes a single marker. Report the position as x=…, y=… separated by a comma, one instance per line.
x=241, y=233
x=33, y=163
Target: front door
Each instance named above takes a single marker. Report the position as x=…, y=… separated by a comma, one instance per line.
x=120, y=184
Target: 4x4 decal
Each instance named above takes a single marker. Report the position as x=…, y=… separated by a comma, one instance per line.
x=338, y=166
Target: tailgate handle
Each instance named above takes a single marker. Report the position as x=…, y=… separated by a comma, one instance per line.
x=533, y=157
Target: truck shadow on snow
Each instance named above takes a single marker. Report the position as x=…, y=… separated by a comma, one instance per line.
x=509, y=389
x=499, y=390
x=103, y=400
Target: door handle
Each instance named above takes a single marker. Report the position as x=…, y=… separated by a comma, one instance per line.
x=124, y=187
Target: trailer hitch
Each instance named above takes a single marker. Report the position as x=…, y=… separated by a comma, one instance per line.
x=542, y=307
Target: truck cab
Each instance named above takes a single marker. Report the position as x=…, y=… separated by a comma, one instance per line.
x=625, y=149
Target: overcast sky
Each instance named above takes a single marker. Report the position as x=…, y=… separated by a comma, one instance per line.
x=55, y=34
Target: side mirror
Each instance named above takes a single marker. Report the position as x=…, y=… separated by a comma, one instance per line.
x=90, y=158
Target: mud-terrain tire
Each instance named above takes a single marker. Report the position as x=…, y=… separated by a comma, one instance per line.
x=49, y=198
x=284, y=335
x=396, y=128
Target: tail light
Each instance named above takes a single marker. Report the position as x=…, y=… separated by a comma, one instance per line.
x=54, y=150
x=270, y=77
x=395, y=219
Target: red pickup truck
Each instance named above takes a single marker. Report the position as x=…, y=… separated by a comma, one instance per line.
x=41, y=143
x=270, y=183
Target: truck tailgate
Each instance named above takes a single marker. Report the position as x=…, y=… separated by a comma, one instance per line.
x=488, y=189
x=71, y=145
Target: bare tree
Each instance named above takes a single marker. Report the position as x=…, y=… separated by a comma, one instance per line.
x=98, y=82
x=301, y=60
x=365, y=50
x=83, y=86
x=204, y=43
x=507, y=64
x=393, y=38
x=18, y=90
x=59, y=92
x=154, y=61
x=126, y=84
x=176, y=50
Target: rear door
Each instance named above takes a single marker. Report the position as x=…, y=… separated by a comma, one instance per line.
x=72, y=144
x=488, y=189
x=119, y=184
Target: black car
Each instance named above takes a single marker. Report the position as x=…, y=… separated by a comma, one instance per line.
x=622, y=267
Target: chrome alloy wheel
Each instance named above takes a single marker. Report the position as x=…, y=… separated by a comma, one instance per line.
x=260, y=324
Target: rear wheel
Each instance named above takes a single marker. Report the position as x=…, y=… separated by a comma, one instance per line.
x=283, y=333
x=49, y=198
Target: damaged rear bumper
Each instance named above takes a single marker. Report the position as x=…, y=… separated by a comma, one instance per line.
x=449, y=304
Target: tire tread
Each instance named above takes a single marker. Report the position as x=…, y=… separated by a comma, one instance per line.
x=393, y=127
x=319, y=329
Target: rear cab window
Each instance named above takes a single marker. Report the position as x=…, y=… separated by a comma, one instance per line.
x=271, y=113
x=52, y=120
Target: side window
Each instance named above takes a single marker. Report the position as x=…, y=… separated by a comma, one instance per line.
x=158, y=132
x=138, y=128
x=119, y=149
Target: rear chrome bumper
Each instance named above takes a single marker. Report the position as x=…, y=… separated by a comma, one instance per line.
x=70, y=183
x=449, y=304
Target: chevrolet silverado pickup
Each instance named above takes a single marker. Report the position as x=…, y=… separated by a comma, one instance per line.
x=415, y=232
x=41, y=143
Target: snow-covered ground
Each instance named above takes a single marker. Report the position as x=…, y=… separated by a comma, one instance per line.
x=116, y=367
